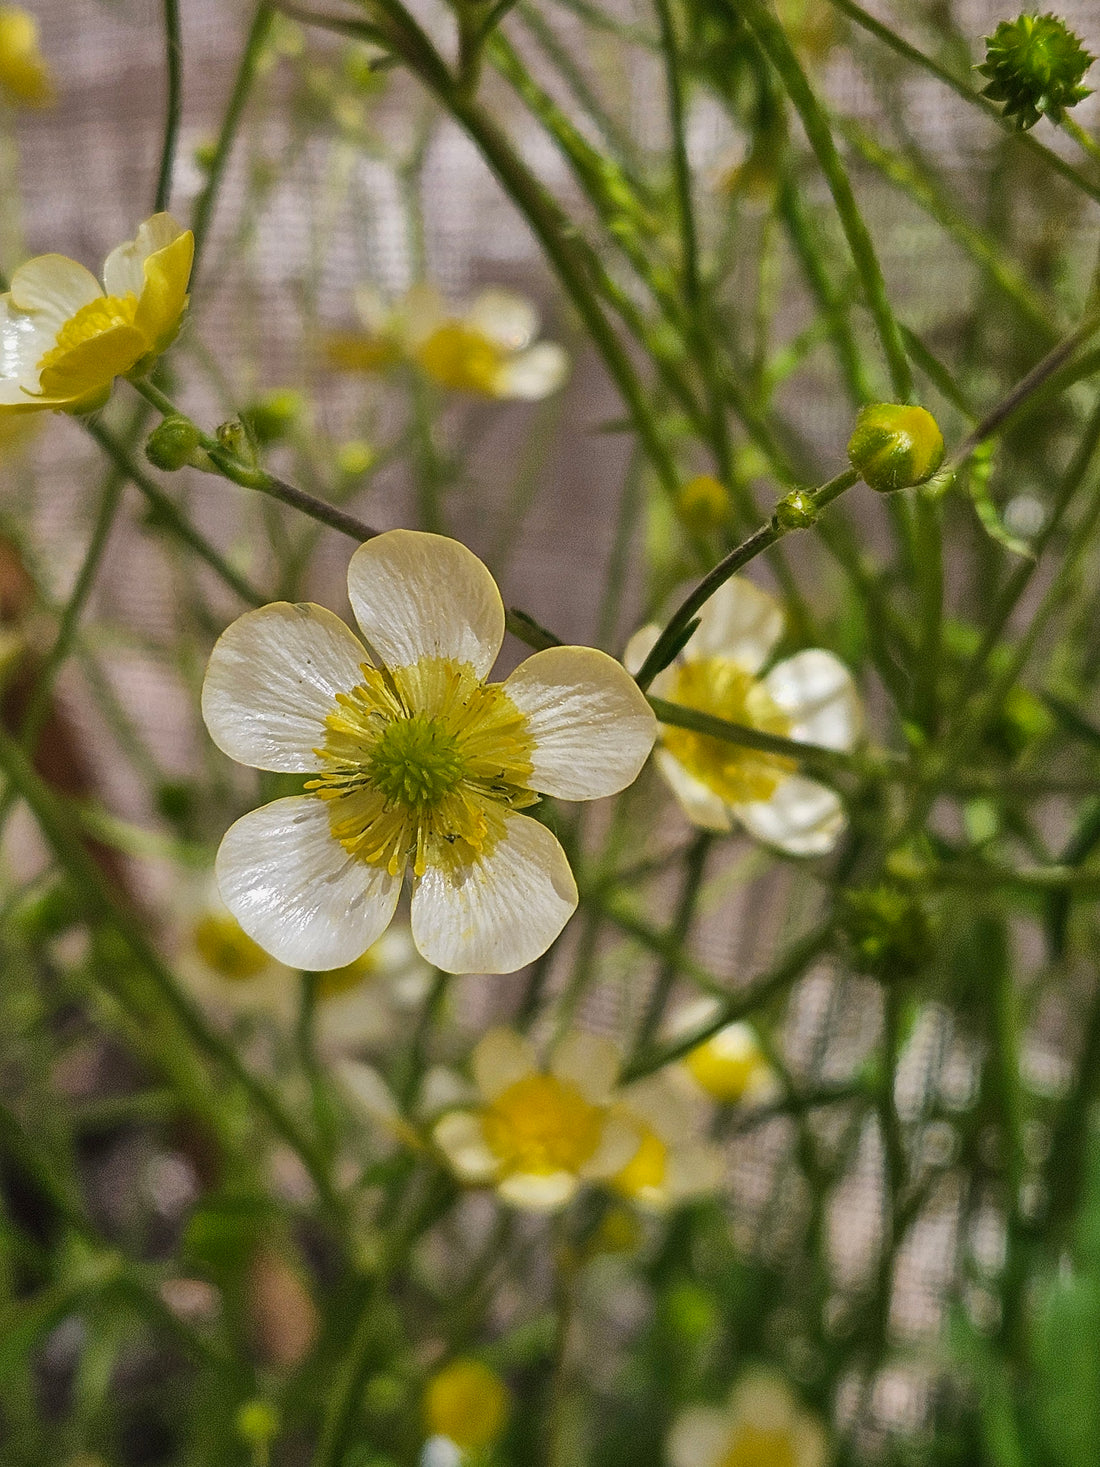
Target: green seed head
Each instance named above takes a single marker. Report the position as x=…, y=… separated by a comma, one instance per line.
x=1035, y=64
x=172, y=444
x=895, y=446
x=415, y=762
x=887, y=932
x=796, y=511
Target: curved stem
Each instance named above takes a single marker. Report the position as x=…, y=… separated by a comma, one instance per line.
x=174, y=105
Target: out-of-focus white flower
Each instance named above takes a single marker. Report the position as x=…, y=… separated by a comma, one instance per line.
x=539, y=1133
x=762, y=1425
x=487, y=348
x=420, y=764
x=809, y=697
x=731, y=1065
x=674, y=1161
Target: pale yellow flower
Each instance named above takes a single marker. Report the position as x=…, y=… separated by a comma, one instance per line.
x=731, y=1066
x=809, y=697
x=537, y=1134
x=762, y=1425
x=420, y=764
x=64, y=339
x=25, y=78
x=487, y=348
x=674, y=1161
x=467, y=1403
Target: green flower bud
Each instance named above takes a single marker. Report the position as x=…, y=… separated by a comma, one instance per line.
x=172, y=444
x=1034, y=64
x=233, y=438
x=271, y=417
x=887, y=932
x=257, y=1423
x=795, y=511
x=895, y=446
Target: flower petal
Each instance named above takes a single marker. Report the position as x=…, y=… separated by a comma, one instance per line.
x=124, y=267
x=619, y=1142
x=296, y=891
x=272, y=681
x=366, y=1087
x=56, y=287
x=508, y=320
x=740, y=622
x=591, y=1062
x=640, y=646
x=502, y=912
x=538, y=1191
x=592, y=727
x=461, y=1139
x=701, y=805
x=500, y=1059
x=418, y=595
x=699, y=1437
x=23, y=343
x=533, y=374
x=164, y=292
x=819, y=694
x=802, y=817
x=91, y=366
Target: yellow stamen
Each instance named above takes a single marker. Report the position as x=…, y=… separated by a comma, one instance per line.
x=644, y=1175
x=541, y=1125
x=93, y=319
x=422, y=764
x=457, y=357
x=722, y=687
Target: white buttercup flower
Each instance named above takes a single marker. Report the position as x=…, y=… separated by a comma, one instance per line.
x=487, y=348
x=762, y=1425
x=674, y=1161
x=731, y=1066
x=809, y=697
x=539, y=1133
x=419, y=764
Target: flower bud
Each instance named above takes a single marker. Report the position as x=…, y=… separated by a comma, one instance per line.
x=703, y=504
x=467, y=1403
x=895, y=446
x=1035, y=64
x=795, y=511
x=172, y=444
x=887, y=932
x=272, y=416
x=257, y=1423
x=233, y=438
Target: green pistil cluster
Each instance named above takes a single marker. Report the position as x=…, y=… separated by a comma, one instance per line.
x=415, y=762
x=1035, y=65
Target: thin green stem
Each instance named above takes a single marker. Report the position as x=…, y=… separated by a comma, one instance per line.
x=173, y=66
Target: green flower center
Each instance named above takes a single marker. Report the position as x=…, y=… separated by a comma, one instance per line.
x=421, y=764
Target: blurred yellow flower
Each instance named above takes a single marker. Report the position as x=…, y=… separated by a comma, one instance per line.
x=25, y=79
x=488, y=349
x=63, y=339
x=762, y=1425
x=809, y=697
x=538, y=1134
x=468, y=1403
x=674, y=1162
x=420, y=764
x=731, y=1065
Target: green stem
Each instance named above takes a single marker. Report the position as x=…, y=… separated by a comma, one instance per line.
x=173, y=44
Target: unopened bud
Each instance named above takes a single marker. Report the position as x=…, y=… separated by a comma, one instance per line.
x=257, y=1423
x=795, y=511
x=272, y=416
x=895, y=446
x=172, y=444
x=1035, y=65
x=703, y=504
x=887, y=931
x=233, y=438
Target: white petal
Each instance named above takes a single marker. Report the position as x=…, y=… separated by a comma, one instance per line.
x=591, y=1062
x=538, y=1191
x=272, y=681
x=24, y=341
x=764, y=1400
x=369, y=1091
x=819, y=694
x=699, y=1437
x=619, y=1142
x=54, y=286
x=296, y=891
x=665, y=1106
x=533, y=374
x=802, y=817
x=502, y=912
x=740, y=622
x=421, y=311
x=124, y=268
x=693, y=1170
x=460, y=1137
x=418, y=595
x=811, y=1444
x=701, y=805
x=508, y=320
x=501, y=1058
x=363, y=1015
x=640, y=646
x=592, y=727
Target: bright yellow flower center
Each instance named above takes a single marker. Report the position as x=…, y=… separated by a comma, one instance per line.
x=422, y=763
x=24, y=74
x=752, y=1447
x=98, y=316
x=226, y=949
x=721, y=687
x=726, y=1064
x=540, y=1125
x=457, y=357
x=644, y=1175
x=467, y=1402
